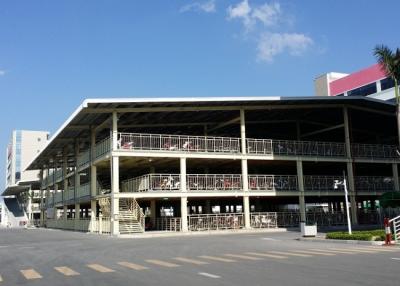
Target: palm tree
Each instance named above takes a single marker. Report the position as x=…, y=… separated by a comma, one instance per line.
x=390, y=61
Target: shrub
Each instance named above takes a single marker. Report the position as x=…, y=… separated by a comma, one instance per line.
x=368, y=235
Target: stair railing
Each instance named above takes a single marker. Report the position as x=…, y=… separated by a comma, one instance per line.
x=137, y=212
x=396, y=227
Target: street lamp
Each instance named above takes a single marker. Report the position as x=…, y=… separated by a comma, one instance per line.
x=344, y=184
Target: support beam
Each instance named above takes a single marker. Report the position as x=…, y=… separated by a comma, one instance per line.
x=153, y=213
x=300, y=183
x=245, y=180
x=183, y=187
x=223, y=124
x=322, y=130
x=114, y=198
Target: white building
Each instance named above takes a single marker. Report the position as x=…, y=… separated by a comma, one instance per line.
x=21, y=202
x=122, y=166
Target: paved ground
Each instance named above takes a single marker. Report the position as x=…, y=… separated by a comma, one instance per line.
x=52, y=257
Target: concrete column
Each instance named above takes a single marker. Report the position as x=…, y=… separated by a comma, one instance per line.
x=54, y=197
x=77, y=176
x=245, y=181
x=378, y=86
x=395, y=177
x=300, y=185
x=350, y=174
x=183, y=188
x=77, y=211
x=114, y=178
x=153, y=212
x=41, y=198
x=65, y=212
x=64, y=174
x=29, y=207
x=207, y=207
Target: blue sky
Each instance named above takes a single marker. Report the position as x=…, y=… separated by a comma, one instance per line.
x=54, y=54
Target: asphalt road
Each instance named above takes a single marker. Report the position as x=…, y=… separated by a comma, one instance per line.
x=53, y=257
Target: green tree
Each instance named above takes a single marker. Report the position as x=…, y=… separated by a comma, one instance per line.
x=390, y=61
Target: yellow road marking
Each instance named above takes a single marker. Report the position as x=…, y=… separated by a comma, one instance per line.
x=267, y=255
x=162, y=263
x=66, y=271
x=291, y=253
x=334, y=251
x=132, y=265
x=100, y=268
x=353, y=250
x=1, y=279
x=243, y=256
x=193, y=261
x=378, y=249
x=215, y=258
x=315, y=252
x=30, y=274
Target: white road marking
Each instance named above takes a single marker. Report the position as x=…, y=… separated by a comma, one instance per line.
x=209, y=275
x=162, y=263
x=100, y=268
x=192, y=261
x=66, y=271
x=1, y=279
x=270, y=239
x=30, y=274
x=395, y=258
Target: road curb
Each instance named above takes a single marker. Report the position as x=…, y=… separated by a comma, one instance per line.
x=360, y=242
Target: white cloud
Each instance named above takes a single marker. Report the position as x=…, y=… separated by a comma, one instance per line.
x=267, y=14
x=271, y=44
x=2, y=72
x=206, y=7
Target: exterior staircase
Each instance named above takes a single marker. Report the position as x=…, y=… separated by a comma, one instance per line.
x=131, y=217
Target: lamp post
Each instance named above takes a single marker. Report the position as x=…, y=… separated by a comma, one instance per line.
x=344, y=184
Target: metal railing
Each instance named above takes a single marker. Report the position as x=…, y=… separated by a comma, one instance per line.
x=103, y=147
x=168, y=223
x=264, y=220
x=58, y=198
x=178, y=143
x=292, y=219
x=152, y=182
x=374, y=151
x=323, y=183
x=83, y=191
x=203, y=222
x=374, y=183
x=295, y=148
x=214, y=182
x=272, y=183
x=70, y=194
x=396, y=227
x=83, y=158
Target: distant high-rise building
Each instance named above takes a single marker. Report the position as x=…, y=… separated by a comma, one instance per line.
x=21, y=192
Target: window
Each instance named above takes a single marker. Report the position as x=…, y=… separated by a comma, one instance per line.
x=387, y=83
x=363, y=90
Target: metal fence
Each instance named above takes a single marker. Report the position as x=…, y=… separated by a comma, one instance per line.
x=264, y=220
x=295, y=148
x=374, y=151
x=214, y=182
x=97, y=225
x=374, y=183
x=272, y=183
x=83, y=158
x=168, y=223
x=178, y=143
x=103, y=147
x=323, y=183
x=215, y=221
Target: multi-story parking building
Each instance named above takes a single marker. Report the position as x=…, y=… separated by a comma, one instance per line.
x=371, y=81
x=22, y=189
x=121, y=166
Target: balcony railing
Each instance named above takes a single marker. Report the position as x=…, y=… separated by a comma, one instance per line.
x=83, y=191
x=295, y=148
x=323, y=183
x=83, y=158
x=377, y=184
x=70, y=194
x=272, y=183
x=103, y=147
x=178, y=143
x=58, y=198
x=203, y=222
x=195, y=182
x=374, y=151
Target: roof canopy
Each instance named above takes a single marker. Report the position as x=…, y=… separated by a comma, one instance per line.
x=95, y=113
